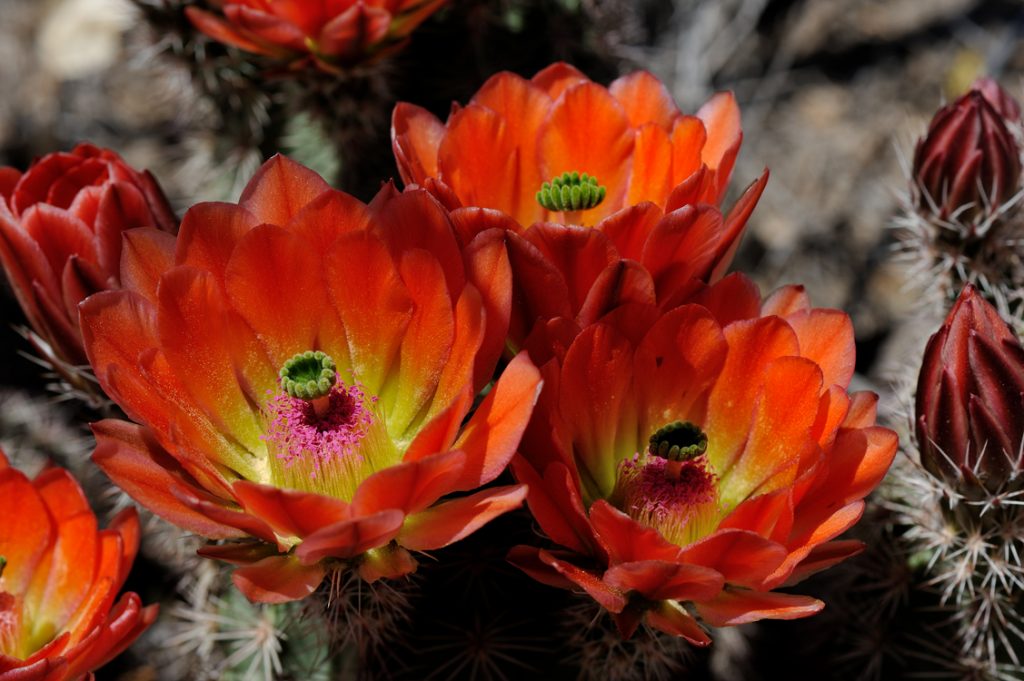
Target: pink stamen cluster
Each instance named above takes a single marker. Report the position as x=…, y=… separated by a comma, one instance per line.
x=298, y=433
x=653, y=492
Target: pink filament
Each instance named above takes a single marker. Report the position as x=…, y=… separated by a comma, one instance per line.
x=299, y=434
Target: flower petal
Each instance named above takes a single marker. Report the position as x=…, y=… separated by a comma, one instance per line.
x=349, y=538
x=734, y=607
x=278, y=579
x=451, y=521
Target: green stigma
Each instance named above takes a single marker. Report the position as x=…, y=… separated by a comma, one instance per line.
x=308, y=375
x=678, y=441
x=3, y=564
x=571, y=191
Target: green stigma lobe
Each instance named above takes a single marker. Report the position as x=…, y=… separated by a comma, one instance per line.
x=308, y=375
x=3, y=564
x=678, y=441
x=571, y=191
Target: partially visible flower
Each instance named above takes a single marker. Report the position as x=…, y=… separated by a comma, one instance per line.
x=691, y=462
x=61, y=231
x=332, y=35
x=519, y=145
x=60, y=617
x=968, y=163
x=301, y=365
x=970, y=398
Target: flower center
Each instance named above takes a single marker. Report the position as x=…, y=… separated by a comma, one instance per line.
x=316, y=420
x=570, y=192
x=669, y=487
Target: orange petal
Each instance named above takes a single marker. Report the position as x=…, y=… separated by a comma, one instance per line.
x=731, y=299
x=682, y=246
x=490, y=272
x=645, y=100
x=131, y=458
x=824, y=556
x=625, y=282
x=863, y=410
x=557, y=78
x=451, y=521
x=213, y=354
x=209, y=234
x=652, y=166
x=627, y=540
x=278, y=579
x=411, y=486
x=857, y=462
x=354, y=31
x=26, y=536
x=280, y=189
x=658, y=579
x=629, y=228
x=478, y=159
x=826, y=338
x=374, y=316
x=587, y=131
x=221, y=31
x=753, y=344
x=676, y=365
x=290, y=513
x=781, y=430
x=555, y=503
x=742, y=557
x=672, y=618
x=493, y=433
x=688, y=138
x=146, y=253
x=610, y=598
x=283, y=310
x=415, y=139
x=349, y=538
x=721, y=117
x=599, y=406
x=523, y=106
x=734, y=607
x=387, y=562
x=735, y=223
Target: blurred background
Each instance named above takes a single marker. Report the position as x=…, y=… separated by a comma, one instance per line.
x=833, y=95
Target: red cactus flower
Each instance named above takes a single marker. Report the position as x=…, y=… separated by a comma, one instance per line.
x=332, y=34
x=61, y=225
x=301, y=365
x=968, y=164
x=59, y=578
x=516, y=146
x=970, y=398
x=693, y=461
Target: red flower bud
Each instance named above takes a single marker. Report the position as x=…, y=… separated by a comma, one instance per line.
x=60, y=235
x=968, y=163
x=970, y=397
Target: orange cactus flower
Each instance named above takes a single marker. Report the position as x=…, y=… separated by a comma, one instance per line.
x=333, y=35
x=516, y=146
x=301, y=365
x=693, y=461
x=61, y=224
x=59, y=578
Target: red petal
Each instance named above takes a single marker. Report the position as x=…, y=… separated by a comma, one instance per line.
x=735, y=607
x=278, y=579
x=673, y=619
x=657, y=580
x=387, y=562
x=626, y=540
x=824, y=556
x=146, y=254
x=354, y=31
x=527, y=559
x=721, y=117
x=451, y=521
x=555, y=503
x=349, y=538
x=415, y=139
x=742, y=557
x=610, y=598
x=735, y=223
x=222, y=31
